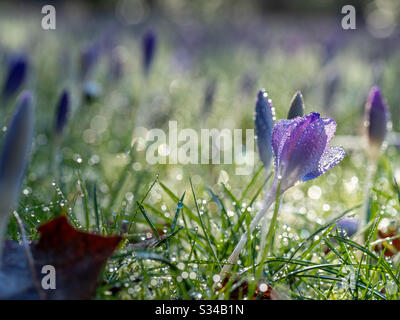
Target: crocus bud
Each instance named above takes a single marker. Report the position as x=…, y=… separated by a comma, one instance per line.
x=377, y=118
x=331, y=87
x=62, y=113
x=209, y=95
x=264, y=122
x=296, y=106
x=116, y=65
x=149, y=43
x=14, y=158
x=16, y=75
x=349, y=225
x=88, y=59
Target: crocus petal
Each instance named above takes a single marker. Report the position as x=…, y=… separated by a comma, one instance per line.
x=280, y=133
x=264, y=122
x=293, y=134
x=306, y=152
x=330, y=128
x=331, y=157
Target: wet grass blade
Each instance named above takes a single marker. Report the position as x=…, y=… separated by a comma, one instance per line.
x=148, y=220
x=202, y=224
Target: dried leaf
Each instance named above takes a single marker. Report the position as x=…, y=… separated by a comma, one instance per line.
x=78, y=257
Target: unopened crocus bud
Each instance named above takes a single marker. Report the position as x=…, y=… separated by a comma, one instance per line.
x=331, y=87
x=116, y=65
x=209, y=95
x=14, y=158
x=377, y=119
x=264, y=122
x=296, y=106
x=88, y=58
x=62, y=112
x=348, y=225
x=149, y=43
x=16, y=74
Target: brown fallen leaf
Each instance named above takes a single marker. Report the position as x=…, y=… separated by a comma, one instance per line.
x=240, y=289
x=77, y=256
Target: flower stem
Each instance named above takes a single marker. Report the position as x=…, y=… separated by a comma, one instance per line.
x=242, y=242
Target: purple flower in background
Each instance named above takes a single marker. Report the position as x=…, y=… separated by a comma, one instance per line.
x=16, y=74
x=264, y=122
x=14, y=157
x=296, y=106
x=116, y=65
x=301, y=149
x=248, y=83
x=331, y=87
x=377, y=118
x=88, y=59
x=149, y=43
x=349, y=225
x=62, y=112
x=209, y=95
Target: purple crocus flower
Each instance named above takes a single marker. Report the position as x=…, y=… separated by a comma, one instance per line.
x=301, y=149
x=62, y=112
x=149, y=43
x=14, y=157
x=301, y=153
x=16, y=75
x=296, y=106
x=263, y=122
x=377, y=118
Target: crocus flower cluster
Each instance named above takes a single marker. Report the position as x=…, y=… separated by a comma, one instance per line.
x=301, y=152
